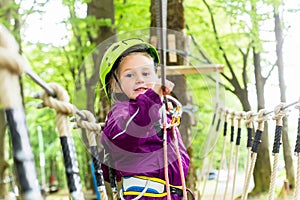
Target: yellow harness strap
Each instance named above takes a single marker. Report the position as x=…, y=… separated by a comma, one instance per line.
x=152, y=180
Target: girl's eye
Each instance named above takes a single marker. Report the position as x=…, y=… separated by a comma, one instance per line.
x=129, y=75
x=146, y=73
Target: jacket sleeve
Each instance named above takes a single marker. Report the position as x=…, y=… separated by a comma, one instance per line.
x=129, y=121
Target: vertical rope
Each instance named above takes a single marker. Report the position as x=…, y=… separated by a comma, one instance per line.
x=230, y=153
x=273, y=178
x=238, y=141
x=297, y=190
x=209, y=165
x=180, y=164
x=297, y=151
x=279, y=114
x=63, y=110
x=206, y=151
x=249, y=124
x=11, y=66
x=223, y=152
x=161, y=24
x=261, y=118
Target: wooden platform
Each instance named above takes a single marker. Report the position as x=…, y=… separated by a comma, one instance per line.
x=200, y=69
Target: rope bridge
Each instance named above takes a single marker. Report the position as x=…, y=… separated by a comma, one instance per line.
x=253, y=142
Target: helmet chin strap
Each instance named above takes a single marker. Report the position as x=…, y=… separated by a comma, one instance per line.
x=118, y=82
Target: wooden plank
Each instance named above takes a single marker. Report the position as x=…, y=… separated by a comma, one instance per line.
x=172, y=47
x=200, y=69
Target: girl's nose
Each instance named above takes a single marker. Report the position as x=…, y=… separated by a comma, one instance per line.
x=139, y=78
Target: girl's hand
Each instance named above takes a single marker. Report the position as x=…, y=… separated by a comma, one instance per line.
x=159, y=90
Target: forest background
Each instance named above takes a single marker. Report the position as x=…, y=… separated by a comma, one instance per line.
x=256, y=41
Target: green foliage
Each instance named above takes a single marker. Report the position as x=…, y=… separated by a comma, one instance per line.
x=235, y=23
x=132, y=14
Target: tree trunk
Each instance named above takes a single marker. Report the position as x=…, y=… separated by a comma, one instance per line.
x=3, y=159
x=103, y=9
x=289, y=167
x=262, y=170
x=176, y=22
x=100, y=9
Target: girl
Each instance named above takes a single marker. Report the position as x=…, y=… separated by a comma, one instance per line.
x=132, y=136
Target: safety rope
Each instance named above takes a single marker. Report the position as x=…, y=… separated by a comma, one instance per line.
x=161, y=17
x=175, y=122
x=297, y=152
x=261, y=118
x=239, y=117
x=232, y=115
x=226, y=113
x=249, y=124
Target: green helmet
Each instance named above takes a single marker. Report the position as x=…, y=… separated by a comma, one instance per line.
x=120, y=49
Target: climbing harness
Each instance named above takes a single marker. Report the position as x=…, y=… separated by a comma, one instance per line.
x=147, y=186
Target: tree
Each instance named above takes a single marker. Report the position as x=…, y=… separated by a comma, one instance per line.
x=3, y=158
x=262, y=170
x=176, y=22
x=289, y=167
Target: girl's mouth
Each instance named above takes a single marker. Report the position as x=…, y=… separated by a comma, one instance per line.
x=140, y=89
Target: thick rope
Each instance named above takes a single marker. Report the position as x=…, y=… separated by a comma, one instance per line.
x=11, y=66
x=261, y=118
x=273, y=178
x=251, y=169
x=223, y=152
x=232, y=115
x=64, y=109
x=249, y=124
x=297, y=151
x=237, y=151
x=90, y=125
x=279, y=114
x=176, y=144
x=239, y=117
x=209, y=164
x=297, y=190
x=93, y=129
x=62, y=106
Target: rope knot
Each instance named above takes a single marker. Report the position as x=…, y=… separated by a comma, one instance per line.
x=249, y=117
x=261, y=117
x=89, y=123
x=60, y=103
x=280, y=112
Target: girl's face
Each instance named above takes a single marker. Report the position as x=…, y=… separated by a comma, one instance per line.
x=136, y=74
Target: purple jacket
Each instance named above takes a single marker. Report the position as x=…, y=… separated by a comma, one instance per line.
x=133, y=143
